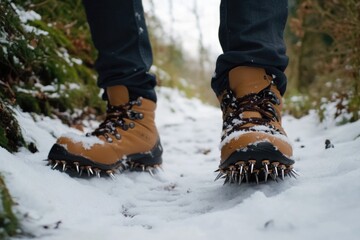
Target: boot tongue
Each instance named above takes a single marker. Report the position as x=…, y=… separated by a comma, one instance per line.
x=117, y=95
x=245, y=80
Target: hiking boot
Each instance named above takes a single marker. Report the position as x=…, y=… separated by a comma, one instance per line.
x=253, y=145
x=128, y=138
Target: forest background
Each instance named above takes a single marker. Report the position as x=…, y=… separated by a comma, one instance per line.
x=47, y=64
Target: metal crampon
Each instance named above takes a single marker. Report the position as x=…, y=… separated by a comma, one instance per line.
x=75, y=169
x=245, y=171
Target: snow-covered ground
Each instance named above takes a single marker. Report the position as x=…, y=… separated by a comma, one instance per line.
x=184, y=202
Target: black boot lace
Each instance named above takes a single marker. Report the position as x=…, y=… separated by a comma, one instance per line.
x=262, y=102
x=115, y=118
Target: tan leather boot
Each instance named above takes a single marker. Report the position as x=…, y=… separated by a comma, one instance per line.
x=253, y=145
x=128, y=138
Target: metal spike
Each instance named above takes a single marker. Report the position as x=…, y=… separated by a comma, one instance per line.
x=247, y=177
x=256, y=178
x=226, y=179
x=56, y=164
x=49, y=162
x=266, y=174
x=282, y=168
x=236, y=177
x=276, y=172
x=292, y=174
x=273, y=176
x=151, y=172
x=282, y=174
x=89, y=171
x=241, y=178
x=131, y=165
x=111, y=174
x=77, y=166
x=64, y=166
x=81, y=171
x=252, y=164
x=161, y=168
x=155, y=169
x=113, y=177
x=218, y=176
x=266, y=163
x=97, y=171
x=241, y=169
x=295, y=172
x=120, y=169
x=232, y=176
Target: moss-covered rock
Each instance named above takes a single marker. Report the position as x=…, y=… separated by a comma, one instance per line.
x=8, y=222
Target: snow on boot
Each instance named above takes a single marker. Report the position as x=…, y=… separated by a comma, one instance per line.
x=128, y=138
x=253, y=145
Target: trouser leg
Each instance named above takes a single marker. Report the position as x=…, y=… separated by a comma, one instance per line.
x=251, y=34
x=120, y=35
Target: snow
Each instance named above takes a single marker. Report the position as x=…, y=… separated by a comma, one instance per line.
x=184, y=202
x=26, y=16
x=87, y=142
x=263, y=129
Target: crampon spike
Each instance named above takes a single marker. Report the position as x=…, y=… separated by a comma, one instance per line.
x=77, y=167
x=81, y=171
x=56, y=164
x=218, y=176
x=266, y=174
x=89, y=171
x=241, y=178
x=150, y=172
x=295, y=172
x=111, y=174
x=252, y=164
x=97, y=172
x=64, y=166
x=226, y=179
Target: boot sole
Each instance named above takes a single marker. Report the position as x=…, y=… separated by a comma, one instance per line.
x=78, y=166
x=256, y=163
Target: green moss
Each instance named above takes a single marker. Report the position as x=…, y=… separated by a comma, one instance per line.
x=3, y=140
x=10, y=132
x=28, y=103
x=8, y=222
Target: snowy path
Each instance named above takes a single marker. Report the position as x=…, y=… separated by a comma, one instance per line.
x=184, y=202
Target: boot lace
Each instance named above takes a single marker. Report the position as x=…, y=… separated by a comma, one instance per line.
x=262, y=102
x=115, y=118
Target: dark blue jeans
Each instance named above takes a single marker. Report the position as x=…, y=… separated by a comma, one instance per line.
x=250, y=33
